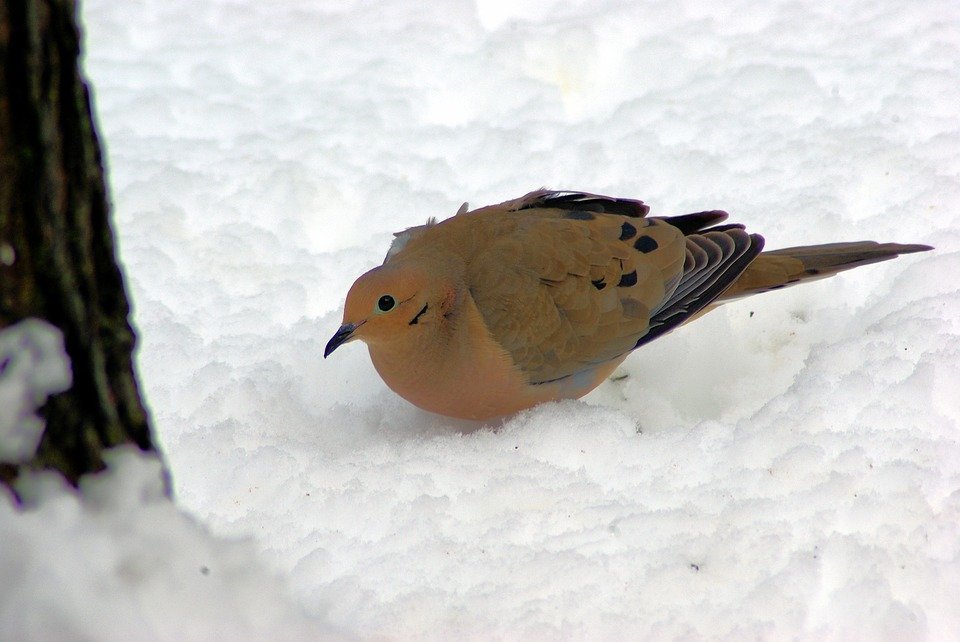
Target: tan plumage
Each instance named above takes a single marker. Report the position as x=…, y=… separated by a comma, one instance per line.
x=498, y=309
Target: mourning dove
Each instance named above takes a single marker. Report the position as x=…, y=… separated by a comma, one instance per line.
x=540, y=298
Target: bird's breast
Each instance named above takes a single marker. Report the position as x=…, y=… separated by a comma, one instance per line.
x=457, y=370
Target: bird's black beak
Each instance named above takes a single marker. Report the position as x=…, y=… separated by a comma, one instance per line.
x=344, y=334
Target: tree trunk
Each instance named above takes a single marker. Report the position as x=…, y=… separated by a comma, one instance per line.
x=57, y=256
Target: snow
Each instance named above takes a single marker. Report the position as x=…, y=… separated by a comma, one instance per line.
x=119, y=561
x=788, y=467
x=33, y=365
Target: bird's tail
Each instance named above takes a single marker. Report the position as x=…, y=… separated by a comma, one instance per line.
x=792, y=265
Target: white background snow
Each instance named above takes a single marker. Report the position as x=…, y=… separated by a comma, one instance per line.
x=786, y=468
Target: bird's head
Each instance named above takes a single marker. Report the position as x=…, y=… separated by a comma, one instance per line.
x=390, y=303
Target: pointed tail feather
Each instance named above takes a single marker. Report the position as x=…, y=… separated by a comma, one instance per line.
x=792, y=265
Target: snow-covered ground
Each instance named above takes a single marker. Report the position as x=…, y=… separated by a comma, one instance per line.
x=786, y=468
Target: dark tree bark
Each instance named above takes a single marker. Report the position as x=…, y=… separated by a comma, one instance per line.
x=57, y=256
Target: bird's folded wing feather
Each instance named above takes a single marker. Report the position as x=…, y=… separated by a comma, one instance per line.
x=573, y=280
x=563, y=292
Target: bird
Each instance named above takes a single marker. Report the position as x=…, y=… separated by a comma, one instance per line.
x=540, y=298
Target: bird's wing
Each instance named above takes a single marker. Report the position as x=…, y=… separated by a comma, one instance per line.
x=573, y=280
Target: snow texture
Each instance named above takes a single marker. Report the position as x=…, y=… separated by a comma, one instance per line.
x=788, y=467
x=33, y=365
x=119, y=561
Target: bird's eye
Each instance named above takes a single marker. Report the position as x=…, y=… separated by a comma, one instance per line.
x=385, y=303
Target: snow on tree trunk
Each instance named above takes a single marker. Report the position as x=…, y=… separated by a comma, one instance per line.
x=57, y=256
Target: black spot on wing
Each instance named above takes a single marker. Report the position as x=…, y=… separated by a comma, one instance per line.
x=645, y=244
x=627, y=231
x=628, y=279
x=599, y=284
